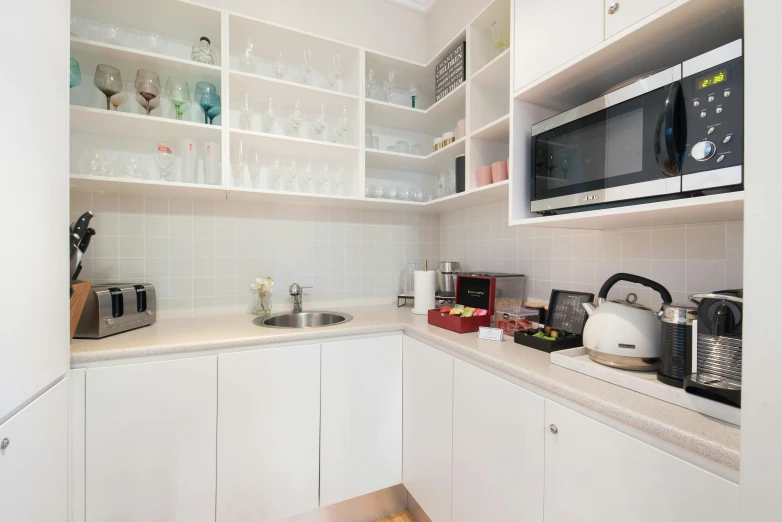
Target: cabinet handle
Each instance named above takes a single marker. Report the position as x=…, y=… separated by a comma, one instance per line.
x=613, y=8
x=5, y=443
x=553, y=429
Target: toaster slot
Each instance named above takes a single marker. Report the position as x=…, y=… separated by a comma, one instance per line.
x=117, y=302
x=141, y=298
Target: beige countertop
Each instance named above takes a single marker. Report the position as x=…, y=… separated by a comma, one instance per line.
x=705, y=436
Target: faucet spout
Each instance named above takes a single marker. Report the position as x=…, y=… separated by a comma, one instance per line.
x=297, y=291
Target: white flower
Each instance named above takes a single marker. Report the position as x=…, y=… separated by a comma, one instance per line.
x=263, y=285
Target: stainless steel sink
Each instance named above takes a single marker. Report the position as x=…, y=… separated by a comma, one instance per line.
x=303, y=319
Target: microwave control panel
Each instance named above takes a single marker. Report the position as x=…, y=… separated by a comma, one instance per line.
x=714, y=103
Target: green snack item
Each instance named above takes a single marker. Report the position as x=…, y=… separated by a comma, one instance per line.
x=457, y=310
x=468, y=312
x=541, y=335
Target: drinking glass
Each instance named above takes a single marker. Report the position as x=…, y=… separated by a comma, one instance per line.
x=296, y=118
x=335, y=70
x=147, y=84
x=500, y=34
x=255, y=164
x=214, y=111
x=371, y=83
x=130, y=167
x=275, y=174
x=269, y=117
x=306, y=66
x=405, y=194
x=440, y=190
x=415, y=149
x=338, y=181
x=369, y=191
x=290, y=175
x=414, y=94
x=77, y=27
x=155, y=43
x=118, y=99
x=388, y=85
x=342, y=125
x=319, y=125
x=409, y=282
x=279, y=68
x=206, y=97
x=178, y=93
x=403, y=147
x=238, y=160
x=93, y=162
x=113, y=34
x=375, y=142
x=246, y=112
x=75, y=78
x=380, y=192
x=108, y=81
x=163, y=157
x=249, y=55
x=306, y=176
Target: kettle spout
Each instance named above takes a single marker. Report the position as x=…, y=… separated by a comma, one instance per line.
x=589, y=307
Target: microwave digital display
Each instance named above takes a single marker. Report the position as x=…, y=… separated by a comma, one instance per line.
x=713, y=78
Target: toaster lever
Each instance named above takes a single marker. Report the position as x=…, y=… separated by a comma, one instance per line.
x=141, y=298
x=117, y=304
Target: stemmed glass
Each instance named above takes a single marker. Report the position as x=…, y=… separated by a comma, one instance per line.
x=250, y=55
x=305, y=177
x=269, y=117
x=338, y=180
x=108, y=81
x=322, y=179
x=113, y=34
x=75, y=78
x=290, y=175
x=118, y=99
x=319, y=125
x=238, y=160
x=388, y=84
x=147, y=86
x=178, y=93
x=163, y=157
x=255, y=164
x=306, y=66
x=215, y=110
x=335, y=70
x=246, y=111
x=206, y=97
x=155, y=43
x=275, y=174
x=371, y=83
x=342, y=125
x=296, y=118
x=279, y=68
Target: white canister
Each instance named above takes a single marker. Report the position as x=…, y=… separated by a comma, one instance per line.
x=188, y=160
x=211, y=152
x=460, y=131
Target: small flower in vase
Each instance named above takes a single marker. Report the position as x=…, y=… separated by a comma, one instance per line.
x=262, y=302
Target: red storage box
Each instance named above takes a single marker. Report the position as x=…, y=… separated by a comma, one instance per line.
x=458, y=324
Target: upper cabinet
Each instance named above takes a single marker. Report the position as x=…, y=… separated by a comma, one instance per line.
x=621, y=15
x=560, y=30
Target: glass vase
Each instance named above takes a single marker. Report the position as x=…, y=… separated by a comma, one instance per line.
x=261, y=304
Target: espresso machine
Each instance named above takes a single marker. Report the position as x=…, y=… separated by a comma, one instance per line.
x=717, y=347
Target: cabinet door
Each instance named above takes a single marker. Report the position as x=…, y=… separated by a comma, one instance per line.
x=497, y=449
x=268, y=433
x=548, y=34
x=597, y=474
x=619, y=15
x=151, y=448
x=361, y=417
x=34, y=466
x=428, y=428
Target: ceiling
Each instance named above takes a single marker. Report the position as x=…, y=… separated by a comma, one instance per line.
x=422, y=6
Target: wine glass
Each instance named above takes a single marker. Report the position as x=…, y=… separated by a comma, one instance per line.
x=206, y=97
x=246, y=111
x=163, y=157
x=279, y=68
x=75, y=78
x=371, y=83
x=275, y=174
x=338, y=180
x=118, y=99
x=290, y=175
x=306, y=66
x=155, y=43
x=254, y=166
x=322, y=179
x=269, y=117
x=388, y=85
x=178, y=93
x=238, y=160
x=306, y=176
x=108, y=81
x=296, y=118
x=147, y=84
x=250, y=55
x=335, y=70
x=130, y=167
x=113, y=34
x=319, y=125
x=414, y=94
x=214, y=111
x=342, y=124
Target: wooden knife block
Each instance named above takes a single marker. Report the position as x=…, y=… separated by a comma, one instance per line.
x=81, y=290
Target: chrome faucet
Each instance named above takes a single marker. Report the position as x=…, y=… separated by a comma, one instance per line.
x=297, y=292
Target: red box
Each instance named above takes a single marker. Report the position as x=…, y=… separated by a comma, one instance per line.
x=476, y=292
x=458, y=324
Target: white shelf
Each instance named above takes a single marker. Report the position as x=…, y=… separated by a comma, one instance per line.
x=691, y=27
x=90, y=53
x=478, y=196
x=296, y=198
x=435, y=120
x=144, y=187
x=141, y=126
x=704, y=209
x=496, y=73
x=438, y=161
x=498, y=130
x=292, y=146
x=245, y=81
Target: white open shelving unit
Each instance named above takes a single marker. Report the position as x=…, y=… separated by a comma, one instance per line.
x=181, y=24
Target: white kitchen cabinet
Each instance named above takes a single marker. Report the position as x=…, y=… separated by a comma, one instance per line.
x=621, y=14
x=497, y=449
x=361, y=417
x=427, y=428
x=34, y=465
x=595, y=473
x=548, y=34
x=151, y=441
x=268, y=433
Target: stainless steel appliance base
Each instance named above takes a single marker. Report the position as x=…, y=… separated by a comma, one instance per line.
x=623, y=362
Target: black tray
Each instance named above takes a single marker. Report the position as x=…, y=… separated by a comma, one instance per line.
x=564, y=313
x=544, y=345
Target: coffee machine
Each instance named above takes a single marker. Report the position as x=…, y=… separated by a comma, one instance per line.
x=717, y=347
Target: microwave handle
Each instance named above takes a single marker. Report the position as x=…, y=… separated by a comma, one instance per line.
x=671, y=132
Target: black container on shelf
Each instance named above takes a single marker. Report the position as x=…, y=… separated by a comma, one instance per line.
x=566, y=315
x=460, y=173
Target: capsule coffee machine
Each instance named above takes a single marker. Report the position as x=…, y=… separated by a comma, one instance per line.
x=717, y=349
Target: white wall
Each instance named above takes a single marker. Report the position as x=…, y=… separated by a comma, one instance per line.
x=374, y=24
x=447, y=18
x=761, y=453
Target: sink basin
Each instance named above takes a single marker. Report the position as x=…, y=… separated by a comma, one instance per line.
x=303, y=320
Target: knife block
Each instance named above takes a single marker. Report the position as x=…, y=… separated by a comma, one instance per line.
x=81, y=290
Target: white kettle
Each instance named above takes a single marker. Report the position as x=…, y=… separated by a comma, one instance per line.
x=624, y=334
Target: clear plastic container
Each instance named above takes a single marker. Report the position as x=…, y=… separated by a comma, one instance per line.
x=516, y=319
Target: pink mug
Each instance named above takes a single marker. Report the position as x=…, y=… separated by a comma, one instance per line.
x=499, y=171
x=483, y=175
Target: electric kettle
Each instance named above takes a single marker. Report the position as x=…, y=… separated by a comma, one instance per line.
x=624, y=334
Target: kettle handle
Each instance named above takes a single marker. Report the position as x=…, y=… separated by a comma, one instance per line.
x=654, y=285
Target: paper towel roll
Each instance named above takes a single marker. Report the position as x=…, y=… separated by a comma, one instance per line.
x=423, y=295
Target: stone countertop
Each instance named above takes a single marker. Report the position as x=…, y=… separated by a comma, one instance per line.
x=705, y=436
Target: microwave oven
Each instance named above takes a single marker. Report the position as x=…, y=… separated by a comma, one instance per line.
x=677, y=133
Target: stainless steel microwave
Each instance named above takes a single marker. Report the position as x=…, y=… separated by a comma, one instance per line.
x=677, y=133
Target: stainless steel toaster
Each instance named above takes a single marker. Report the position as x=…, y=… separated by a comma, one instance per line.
x=116, y=307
